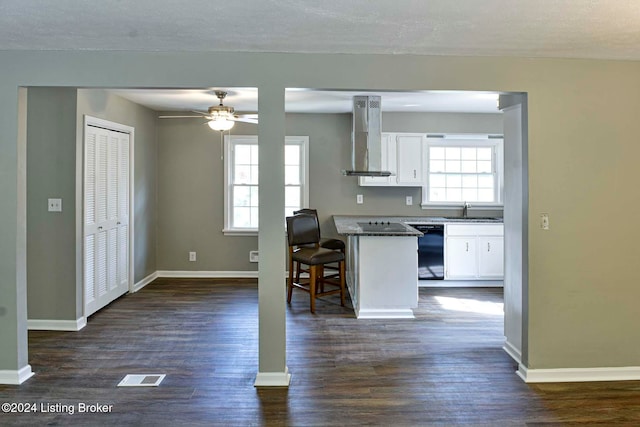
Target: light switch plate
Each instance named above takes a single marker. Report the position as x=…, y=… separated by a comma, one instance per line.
x=54, y=205
x=409, y=200
x=359, y=199
x=544, y=221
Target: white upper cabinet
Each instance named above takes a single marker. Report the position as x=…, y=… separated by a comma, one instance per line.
x=388, y=163
x=409, y=159
x=402, y=156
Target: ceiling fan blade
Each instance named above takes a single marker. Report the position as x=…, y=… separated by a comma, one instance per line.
x=245, y=120
x=247, y=115
x=181, y=117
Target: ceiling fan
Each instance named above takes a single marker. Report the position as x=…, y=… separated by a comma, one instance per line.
x=220, y=117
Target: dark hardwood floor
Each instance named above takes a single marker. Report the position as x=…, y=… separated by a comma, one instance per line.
x=446, y=367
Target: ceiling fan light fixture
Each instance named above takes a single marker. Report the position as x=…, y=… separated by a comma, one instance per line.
x=221, y=124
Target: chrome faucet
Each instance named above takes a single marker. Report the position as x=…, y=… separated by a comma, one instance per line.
x=465, y=209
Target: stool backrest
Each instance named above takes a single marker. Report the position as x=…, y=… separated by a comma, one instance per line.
x=302, y=229
x=309, y=211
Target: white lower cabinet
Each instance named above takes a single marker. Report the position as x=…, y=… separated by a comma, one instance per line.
x=462, y=259
x=382, y=276
x=491, y=257
x=474, y=252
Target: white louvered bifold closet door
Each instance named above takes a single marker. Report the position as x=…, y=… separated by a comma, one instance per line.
x=106, y=217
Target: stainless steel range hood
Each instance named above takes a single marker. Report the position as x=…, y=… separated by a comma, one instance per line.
x=366, y=138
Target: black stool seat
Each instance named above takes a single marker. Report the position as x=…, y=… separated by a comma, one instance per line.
x=334, y=244
x=315, y=256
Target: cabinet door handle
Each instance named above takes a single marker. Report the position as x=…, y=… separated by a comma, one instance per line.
x=488, y=246
x=467, y=249
x=414, y=173
x=100, y=228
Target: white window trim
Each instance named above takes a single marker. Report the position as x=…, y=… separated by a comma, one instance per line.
x=303, y=141
x=497, y=143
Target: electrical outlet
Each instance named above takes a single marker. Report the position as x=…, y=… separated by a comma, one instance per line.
x=359, y=199
x=409, y=200
x=253, y=256
x=192, y=256
x=544, y=221
x=54, y=205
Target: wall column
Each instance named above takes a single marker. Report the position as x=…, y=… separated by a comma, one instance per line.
x=516, y=220
x=14, y=368
x=272, y=370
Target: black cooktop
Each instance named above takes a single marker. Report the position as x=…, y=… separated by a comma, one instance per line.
x=382, y=227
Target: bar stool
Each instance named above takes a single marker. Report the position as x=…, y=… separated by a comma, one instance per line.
x=328, y=243
x=304, y=248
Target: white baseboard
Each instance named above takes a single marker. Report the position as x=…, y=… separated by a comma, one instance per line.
x=460, y=283
x=208, y=274
x=565, y=375
x=273, y=379
x=144, y=282
x=512, y=351
x=16, y=377
x=391, y=313
x=56, y=325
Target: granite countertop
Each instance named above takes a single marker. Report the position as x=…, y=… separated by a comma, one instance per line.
x=352, y=224
x=445, y=220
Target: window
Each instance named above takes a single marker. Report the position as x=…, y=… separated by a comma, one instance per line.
x=463, y=169
x=241, y=180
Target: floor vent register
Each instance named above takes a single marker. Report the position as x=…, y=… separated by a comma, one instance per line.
x=149, y=380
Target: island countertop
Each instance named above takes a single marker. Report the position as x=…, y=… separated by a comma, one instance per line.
x=351, y=225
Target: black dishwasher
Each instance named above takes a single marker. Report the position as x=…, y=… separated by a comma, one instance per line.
x=430, y=251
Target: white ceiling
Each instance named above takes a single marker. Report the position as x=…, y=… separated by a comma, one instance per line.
x=538, y=28
x=314, y=101
x=605, y=29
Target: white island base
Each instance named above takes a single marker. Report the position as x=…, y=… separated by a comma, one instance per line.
x=383, y=276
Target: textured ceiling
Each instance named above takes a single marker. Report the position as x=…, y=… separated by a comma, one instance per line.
x=605, y=29
x=535, y=28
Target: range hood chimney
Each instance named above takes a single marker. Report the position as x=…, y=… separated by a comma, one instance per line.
x=366, y=138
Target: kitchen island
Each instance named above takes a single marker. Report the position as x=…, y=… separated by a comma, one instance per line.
x=382, y=266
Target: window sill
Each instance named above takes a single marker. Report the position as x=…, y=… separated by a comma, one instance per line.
x=472, y=207
x=239, y=232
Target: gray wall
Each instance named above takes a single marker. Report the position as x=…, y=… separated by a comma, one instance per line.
x=191, y=200
x=51, y=172
x=54, y=144
x=582, y=158
x=442, y=122
x=190, y=182
x=334, y=194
